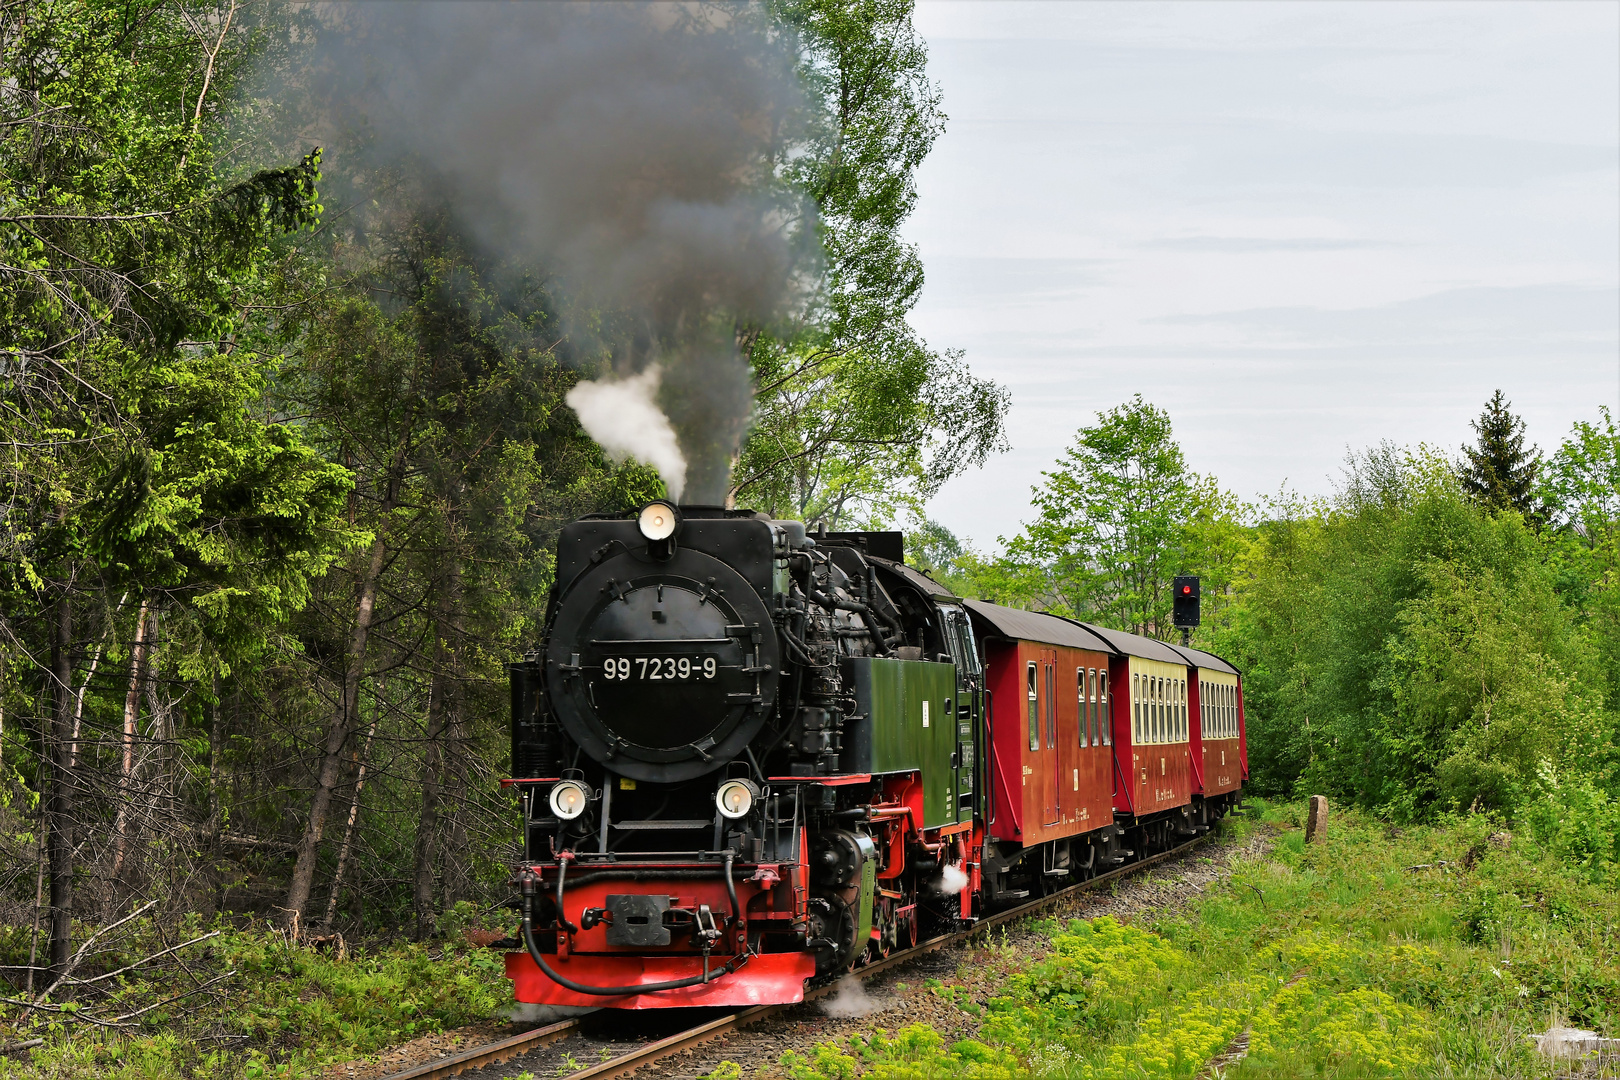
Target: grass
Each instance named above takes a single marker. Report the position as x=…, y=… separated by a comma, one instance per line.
x=1335, y=957
x=287, y=1012
x=1338, y=959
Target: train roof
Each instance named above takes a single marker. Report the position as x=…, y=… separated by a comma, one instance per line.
x=1056, y=630
x=1036, y=626
x=915, y=576
x=1135, y=645
x=1200, y=658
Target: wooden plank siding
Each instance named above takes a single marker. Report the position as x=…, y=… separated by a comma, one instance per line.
x=1052, y=776
x=1219, y=750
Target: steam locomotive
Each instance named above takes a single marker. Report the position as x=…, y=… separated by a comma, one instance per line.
x=748, y=758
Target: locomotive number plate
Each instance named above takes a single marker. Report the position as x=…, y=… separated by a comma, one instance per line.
x=650, y=668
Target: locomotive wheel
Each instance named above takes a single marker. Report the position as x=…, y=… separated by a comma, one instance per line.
x=833, y=935
x=888, y=929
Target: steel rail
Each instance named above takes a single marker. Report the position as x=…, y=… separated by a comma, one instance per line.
x=625, y=1064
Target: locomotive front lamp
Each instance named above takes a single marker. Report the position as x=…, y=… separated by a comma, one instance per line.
x=568, y=800
x=735, y=798
x=657, y=521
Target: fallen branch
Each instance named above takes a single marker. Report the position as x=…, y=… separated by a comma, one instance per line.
x=26, y=1044
x=177, y=997
x=240, y=840
x=70, y=1011
x=83, y=951
x=1427, y=866
x=147, y=960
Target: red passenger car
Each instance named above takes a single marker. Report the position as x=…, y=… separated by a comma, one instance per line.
x=1219, y=744
x=1050, y=817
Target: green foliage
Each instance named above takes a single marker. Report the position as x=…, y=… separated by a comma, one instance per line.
x=1108, y=520
x=135, y=304
x=1576, y=820
x=1334, y=957
x=855, y=415
x=1117, y=518
x=1403, y=644
x=291, y=1012
x=1405, y=650
x=1498, y=472
x=1579, y=498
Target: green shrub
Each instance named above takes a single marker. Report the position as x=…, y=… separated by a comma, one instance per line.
x=1576, y=821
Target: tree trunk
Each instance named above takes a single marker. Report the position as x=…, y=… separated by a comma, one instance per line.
x=455, y=873
x=95, y=662
x=216, y=749
x=59, y=801
x=427, y=824
x=347, y=711
x=337, y=731
x=126, y=771
x=443, y=699
x=216, y=814
x=348, y=829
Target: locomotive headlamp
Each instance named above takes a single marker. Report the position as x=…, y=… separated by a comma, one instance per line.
x=735, y=798
x=568, y=800
x=657, y=521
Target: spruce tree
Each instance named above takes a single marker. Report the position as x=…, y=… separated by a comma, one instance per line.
x=1499, y=472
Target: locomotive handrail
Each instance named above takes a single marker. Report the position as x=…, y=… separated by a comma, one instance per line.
x=985, y=718
x=664, y=641
x=1123, y=786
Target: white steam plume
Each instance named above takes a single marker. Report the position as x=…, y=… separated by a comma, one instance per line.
x=952, y=880
x=851, y=1000
x=623, y=416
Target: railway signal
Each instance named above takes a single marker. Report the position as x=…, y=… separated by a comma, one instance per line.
x=1185, y=614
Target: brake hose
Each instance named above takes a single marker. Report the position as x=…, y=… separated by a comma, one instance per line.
x=527, y=886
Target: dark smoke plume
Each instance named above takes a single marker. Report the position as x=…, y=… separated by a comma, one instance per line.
x=623, y=150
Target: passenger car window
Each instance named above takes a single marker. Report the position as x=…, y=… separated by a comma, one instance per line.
x=1096, y=706
x=1158, y=709
x=1080, y=679
x=1107, y=713
x=1034, y=716
x=1137, y=734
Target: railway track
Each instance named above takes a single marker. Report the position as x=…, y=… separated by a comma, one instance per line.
x=625, y=1064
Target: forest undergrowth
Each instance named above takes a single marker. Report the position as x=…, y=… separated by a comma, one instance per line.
x=251, y=1003
x=1379, y=952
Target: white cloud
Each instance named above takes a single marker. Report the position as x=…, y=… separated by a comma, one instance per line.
x=1297, y=227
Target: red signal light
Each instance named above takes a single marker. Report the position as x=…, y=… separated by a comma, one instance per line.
x=1186, y=590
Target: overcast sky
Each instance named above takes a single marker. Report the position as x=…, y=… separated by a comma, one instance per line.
x=1299, y=227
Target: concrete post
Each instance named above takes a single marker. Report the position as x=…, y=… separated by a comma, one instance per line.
x=1316, y=821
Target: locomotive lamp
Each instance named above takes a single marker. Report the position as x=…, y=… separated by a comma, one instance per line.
x=658, y=521
x=735, y=798
x=568, y=800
